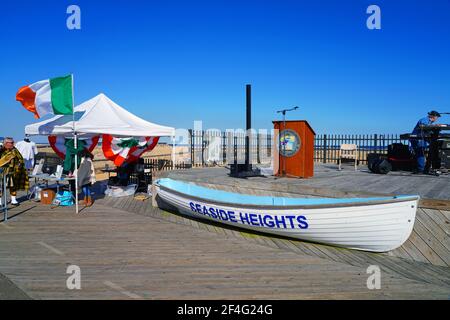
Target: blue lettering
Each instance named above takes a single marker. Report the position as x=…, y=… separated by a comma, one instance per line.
x=232, y=216
x=261, y=223
x=198, y=208
x=244, y=218
x=192, y=205
x=302, y=224
x=253, y=219
x=280, y=220
x=268, y=221
x=223, y=215
x=291, y=220
x=213, y=213
x=205, y=211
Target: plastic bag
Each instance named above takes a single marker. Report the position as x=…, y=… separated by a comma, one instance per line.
x=36, y=191
x=64, y=199
x=119, y=191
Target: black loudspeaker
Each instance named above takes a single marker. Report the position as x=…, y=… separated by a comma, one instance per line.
x=378, y=163
x=400, y=157
x=372, y=158
x=383, y=166
x=399, y=151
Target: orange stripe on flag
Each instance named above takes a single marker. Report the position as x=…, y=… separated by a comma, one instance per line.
x=26, y=97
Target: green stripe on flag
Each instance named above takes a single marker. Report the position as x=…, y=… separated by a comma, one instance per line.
x=62, y=95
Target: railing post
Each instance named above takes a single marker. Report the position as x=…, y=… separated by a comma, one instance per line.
x=258, y=159
x=324, y=148
x=375, y=142
x=203, y=148
x=315, y=148
x=224, y=147
x=235, y=150
x=191, y=137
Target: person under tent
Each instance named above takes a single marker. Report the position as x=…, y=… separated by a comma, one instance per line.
x=86, y=176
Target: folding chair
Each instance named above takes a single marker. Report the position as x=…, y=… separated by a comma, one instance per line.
x=348, y=151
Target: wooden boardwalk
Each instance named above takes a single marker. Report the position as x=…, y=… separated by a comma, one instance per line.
x=128, y=250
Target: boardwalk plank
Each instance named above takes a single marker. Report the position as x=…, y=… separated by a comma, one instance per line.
x=400, y=252
x=428, y=245
x=436, y=237
x=410, y=246
x=439, y=218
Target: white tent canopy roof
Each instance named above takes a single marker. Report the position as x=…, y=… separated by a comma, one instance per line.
x=99, y=115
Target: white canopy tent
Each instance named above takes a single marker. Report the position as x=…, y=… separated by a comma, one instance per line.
x=100, y=115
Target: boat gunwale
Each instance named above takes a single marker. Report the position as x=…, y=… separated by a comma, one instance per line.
x=277, y=207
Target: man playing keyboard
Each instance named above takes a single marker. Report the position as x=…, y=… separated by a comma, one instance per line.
x=419, y=145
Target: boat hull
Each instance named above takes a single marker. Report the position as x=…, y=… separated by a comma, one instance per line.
x=376, y=227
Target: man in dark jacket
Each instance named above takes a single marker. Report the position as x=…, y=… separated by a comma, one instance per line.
x=419, y=145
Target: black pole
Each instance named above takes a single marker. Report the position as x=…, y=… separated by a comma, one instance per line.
x=283, y=170
x=248, y=125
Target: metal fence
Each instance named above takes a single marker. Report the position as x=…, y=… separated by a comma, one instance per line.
x=209, y=148
x=326, y=146
x=164, y=165
x=216, y=147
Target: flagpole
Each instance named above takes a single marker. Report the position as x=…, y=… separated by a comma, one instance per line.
x=76, y=147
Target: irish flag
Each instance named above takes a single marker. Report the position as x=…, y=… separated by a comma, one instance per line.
x=52, y=96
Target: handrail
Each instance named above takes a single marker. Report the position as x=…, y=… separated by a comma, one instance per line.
x=4, y=206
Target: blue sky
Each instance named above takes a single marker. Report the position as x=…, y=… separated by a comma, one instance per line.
x=175, y=62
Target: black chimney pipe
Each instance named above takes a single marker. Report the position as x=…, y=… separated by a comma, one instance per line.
x=248, y=125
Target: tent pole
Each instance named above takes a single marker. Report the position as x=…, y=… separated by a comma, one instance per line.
x=173, y=152
x=76, y=155
x=76, y=172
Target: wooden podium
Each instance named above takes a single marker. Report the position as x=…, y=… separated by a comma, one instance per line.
x=295, y=145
